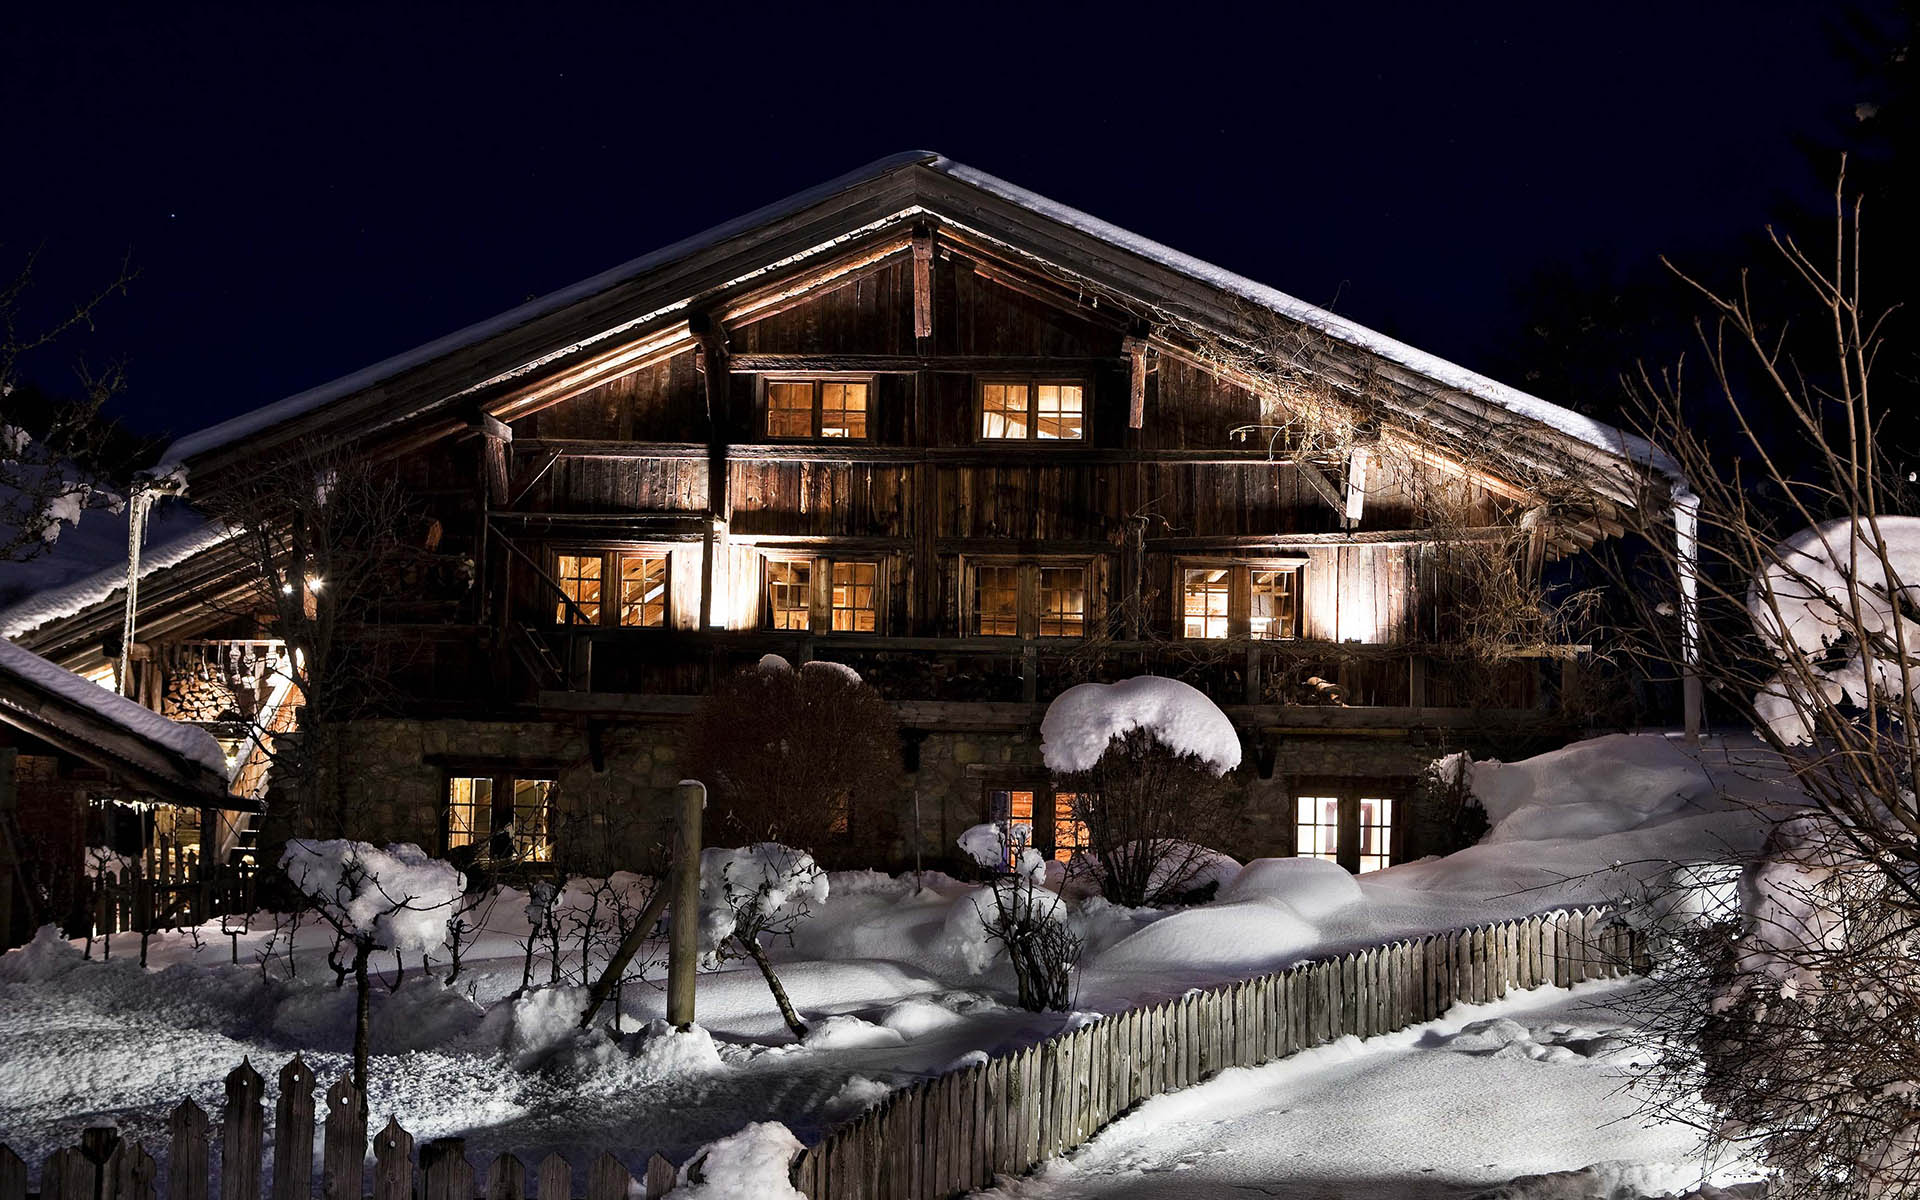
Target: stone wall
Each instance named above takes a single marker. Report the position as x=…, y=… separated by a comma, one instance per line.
x=617, y=815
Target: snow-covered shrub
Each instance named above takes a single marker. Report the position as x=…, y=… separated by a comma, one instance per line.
x=395, y=899
x=808, y=757
x=1146, y=759
x=763, y=890
x=1031, y=923
x=753, y=1164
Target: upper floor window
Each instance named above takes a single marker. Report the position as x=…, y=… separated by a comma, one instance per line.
x=1027, y=599
x=640, y=598
x=817, y=408
x=1239, y=600
x=851, y=602
x=1031, y=409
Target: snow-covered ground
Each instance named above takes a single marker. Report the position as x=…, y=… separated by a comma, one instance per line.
x=894, y=980
x=1528, y=1098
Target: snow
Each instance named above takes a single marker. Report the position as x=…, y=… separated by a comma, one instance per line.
x=750, y=1165
x=898, y=982
x=90, y=565
x=1526, y=1099
x=400, y=895
x=1082, y=721
x=1605, y=785
x=1829, y=588
x=986, y=843
x=189, y=742
x=759, y=885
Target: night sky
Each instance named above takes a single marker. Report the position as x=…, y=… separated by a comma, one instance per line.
x=305, y=190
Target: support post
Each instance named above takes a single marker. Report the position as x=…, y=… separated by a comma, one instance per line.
x=923, y=283
x=1136, y=351
x=1686, y=530
x=10, y=864
x=683, y=922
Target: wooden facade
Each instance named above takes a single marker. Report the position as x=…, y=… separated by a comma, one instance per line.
x=919, y=424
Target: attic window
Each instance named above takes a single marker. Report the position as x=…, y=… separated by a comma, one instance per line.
x=1032, y=410
x=817, y=408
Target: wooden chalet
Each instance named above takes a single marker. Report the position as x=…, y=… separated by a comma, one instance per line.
x=972, y=443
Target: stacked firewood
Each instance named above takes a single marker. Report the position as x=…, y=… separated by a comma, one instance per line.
x=192, y=695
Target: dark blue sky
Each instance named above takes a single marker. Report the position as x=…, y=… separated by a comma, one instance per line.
x=307, y=189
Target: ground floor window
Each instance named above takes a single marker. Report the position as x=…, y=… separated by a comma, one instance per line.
x=1037, y=817
x=501, y=818
x=1353, y=826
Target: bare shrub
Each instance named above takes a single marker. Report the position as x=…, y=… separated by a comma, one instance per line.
x=1031, y=923
x=809, y=757
x=1150, y=814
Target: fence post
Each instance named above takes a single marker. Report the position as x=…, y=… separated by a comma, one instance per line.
x=187, y=1129
x=393, y=1163
x=13, y=1171
x=293, y=1133
x=556, y=1178
x=507, y=1178
x=445, y=1172
x=344, y=1158
x=241, y=1131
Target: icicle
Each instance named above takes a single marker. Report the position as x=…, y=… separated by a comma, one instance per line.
x=137, y=506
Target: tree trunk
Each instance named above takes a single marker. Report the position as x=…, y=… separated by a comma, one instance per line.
x=362, y=948
x=759, y=956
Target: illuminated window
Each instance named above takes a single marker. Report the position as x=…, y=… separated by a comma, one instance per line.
x=1032, y=409
x=1316, y=831
x=1063, y=601
x=469, y=811
x=1003, y=410
x=533, y=820
x=843, y=410
x=1275, y=608
x=996, y=601
x=579, y=578
x=1376, y=833
x=816, y=408
x=643, y=589
x=1056, y=411
x=1069, y=831
x=1206, y=593
x=855, y=597
x=790, y=593
x=1013, y=812
x=840, y=814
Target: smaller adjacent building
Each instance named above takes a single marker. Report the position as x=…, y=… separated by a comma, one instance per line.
x=92, y=783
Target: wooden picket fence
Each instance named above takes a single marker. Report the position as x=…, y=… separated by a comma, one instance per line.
x=946, y=1136
x=936, y=1139
x=105, y=1167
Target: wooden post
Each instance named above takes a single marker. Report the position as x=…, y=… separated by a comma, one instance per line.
x=393, y=1163
x=10, y=863
x=683, y=937
x=923, y=283
x=242, y=1132
x=1136, y=351
x=344, y=1159
x=13, y=1176
x=187, y=1153
x=556, y=1178
x=293, y=1133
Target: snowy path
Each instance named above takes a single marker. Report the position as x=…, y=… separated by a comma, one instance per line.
x=1529, y=1086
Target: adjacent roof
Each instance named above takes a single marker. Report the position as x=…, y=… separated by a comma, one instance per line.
x=180, y=764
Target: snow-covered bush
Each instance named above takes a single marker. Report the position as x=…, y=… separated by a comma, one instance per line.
x=753, y=1164
x=1145, y=759
x=809, y=757
x=1031, y=923
x=395, y=899
x=762, y=890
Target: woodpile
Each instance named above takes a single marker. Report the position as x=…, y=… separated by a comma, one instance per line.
x=191, y=696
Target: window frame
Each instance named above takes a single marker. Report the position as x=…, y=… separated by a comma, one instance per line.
x=610, y=602
x=820, y=609
x=1032, y=383
x=503, y=783
x=766, y=408
x=1349, y=792
x=1240, y=595
x=1046, y=830
x=1027, y=585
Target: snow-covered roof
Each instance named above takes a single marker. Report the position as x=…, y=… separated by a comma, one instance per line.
x=81, y=572
x=1606, y=438
x=182, y=762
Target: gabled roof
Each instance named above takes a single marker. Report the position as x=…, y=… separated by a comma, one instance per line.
x=179, y=764
x=454, y=375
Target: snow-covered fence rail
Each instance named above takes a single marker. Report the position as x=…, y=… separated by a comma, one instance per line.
x=952, y=1134
x=106, y=1167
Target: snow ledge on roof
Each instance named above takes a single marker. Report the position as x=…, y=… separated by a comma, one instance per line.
x=53, y=604
x=189, y=742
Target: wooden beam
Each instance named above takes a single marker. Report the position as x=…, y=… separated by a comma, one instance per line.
x=1320, y=483
x=529, y=475
x=907, y=364
x=1136, y=352
x=1357, y=460
x=923, y=282
x=712, y=335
